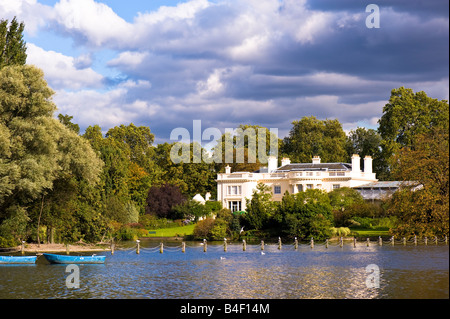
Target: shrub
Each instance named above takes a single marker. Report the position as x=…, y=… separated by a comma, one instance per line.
x=203, y=228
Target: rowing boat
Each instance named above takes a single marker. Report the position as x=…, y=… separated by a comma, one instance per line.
x=18, y=259
x=67, y=259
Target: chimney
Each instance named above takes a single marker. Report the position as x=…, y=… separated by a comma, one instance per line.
x=356, y=163
x=316, y=160
x=368, y=164
x=285, y=161
x=228, y=169
x=272, y=163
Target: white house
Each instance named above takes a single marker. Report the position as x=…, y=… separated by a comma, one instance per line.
x=234, y=187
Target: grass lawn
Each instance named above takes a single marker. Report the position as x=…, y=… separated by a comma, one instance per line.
x=364, y=232
x=173, y=231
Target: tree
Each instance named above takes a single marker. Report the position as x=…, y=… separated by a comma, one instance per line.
x=365, y=142
x=260, y=208
x=162, y=199
x=306, y=214
x=12, y=45
x=312, y=137
x=422, y=205
x=39, y=151
x=408, y=115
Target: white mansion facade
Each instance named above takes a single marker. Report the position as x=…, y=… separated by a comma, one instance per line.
x=234, y=187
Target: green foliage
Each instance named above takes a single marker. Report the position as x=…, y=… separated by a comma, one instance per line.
x=260, y=208
x=12, y=45
x=312, y=137
x=203, y=228
x=306, y=214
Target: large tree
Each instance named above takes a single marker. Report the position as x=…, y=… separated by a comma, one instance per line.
x=12, y=45
x=37, y=149
x=313, y=137
x=408, y=115
x=422, y=205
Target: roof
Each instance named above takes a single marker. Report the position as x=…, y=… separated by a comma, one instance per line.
x=386, y=184
x=315, y=167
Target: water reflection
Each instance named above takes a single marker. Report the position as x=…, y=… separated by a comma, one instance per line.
x=334, y=272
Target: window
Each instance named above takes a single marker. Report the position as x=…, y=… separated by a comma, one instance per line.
x=309, y=186
x=309, y=174
x=336, y=186
x=299, y=187
x=234, y=190
x=317, y=173
x=235, y=206
x=277, y=189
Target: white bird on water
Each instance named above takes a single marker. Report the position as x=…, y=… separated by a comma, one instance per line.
x=222, y=258
x=263, y=253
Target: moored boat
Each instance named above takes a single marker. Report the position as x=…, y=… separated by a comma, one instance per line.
x=18, y=259
x=67, y=259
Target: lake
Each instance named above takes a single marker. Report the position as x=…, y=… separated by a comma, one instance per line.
x=325, y=273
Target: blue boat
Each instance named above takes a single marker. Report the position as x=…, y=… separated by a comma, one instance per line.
x=18, y=259
x=67, y=259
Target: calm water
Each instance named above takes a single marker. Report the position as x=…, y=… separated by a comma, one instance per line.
x=334, y=272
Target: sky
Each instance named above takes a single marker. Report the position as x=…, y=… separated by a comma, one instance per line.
x=164, y=64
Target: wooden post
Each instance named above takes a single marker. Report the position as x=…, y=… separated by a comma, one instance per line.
x=225, y=244
x=404, y=241
x=312, y=243
x=204, y=245
x=279, y=243
x=67, y=249
x=22, y=249
x=183, y=247
x=380, y=241
x=368, y=242
x=341, y=243
x=112, y=246
x=435, y=240
x=244, y=245
x=392, y=240
x=354, y=242
x=415, y=240
x=326, y=243
x=295, y=243
x=138, y=247
x=161, y=248
x=426, y=241
x=446, y=241
x=262, y=244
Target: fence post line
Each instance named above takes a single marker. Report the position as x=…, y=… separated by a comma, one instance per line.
x=446, y=241
x=112, y=246
x=426, y=241
x=392, y=240
x=380, y=241
x=225, y=248
x=415, y=240
x=341, y=242
x=183, y=247
x=404, y=241
x=295, y=243
x=368, y=241
x=161, y=248
x=204, y=245
x=354, y=242
x=244, y=245
x=262, y=244
x=326, y=243
x=138, y=251
x=23, y=248
x=435, y=240
x=67, y=249
x=279, y=243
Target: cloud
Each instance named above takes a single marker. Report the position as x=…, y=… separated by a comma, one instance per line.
x=232, y=62
x=63, y=71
